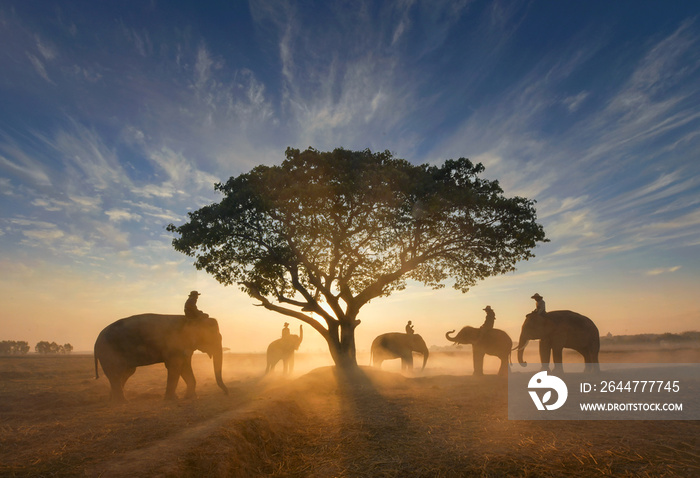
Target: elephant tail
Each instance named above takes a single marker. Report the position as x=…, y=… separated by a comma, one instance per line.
x=97, y=374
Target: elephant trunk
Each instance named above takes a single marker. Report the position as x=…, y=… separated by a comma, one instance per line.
x=451, y=339
x=522, y=343
x=425, y=358
x=218, y=357
x=301, y=334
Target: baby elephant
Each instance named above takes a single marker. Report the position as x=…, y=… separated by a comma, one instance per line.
x=153, y=338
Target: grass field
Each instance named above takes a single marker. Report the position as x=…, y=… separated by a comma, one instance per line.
x=56, y=420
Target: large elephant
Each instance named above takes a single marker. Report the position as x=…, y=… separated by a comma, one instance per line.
x=494, y=342
x=283, y=349
x=154, y=338
x=397, y=345
x=557, y=330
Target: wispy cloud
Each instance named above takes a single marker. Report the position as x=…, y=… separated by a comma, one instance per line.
x=16, y=161
x=662, y=270
x=39, y=67
x=118, y=215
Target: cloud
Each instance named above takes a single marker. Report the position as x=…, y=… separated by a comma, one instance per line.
x=24, y=166
x=181, y=173
x=119, y=215
x=39, y=67
x=157, y=212
x=48, y=204
x=202, y=68
x=141, y=41
x=573, y=103
x=662, y=67
x=85, y=157
x=662, y=270
x=46, y=50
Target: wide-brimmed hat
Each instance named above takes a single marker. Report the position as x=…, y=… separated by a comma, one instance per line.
x=488, y=308
x=537, y=296
x=286, y=324
x=194, y=292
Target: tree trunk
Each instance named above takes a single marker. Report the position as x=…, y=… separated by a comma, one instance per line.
x=341, y=344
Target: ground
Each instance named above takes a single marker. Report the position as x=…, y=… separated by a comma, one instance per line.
x=56, y=420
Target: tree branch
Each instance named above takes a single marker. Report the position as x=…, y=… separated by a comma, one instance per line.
x=254, y=293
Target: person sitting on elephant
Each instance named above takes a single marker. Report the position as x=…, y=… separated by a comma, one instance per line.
x=490, y=318
x=191, y=310
x=488, y=322
x=285, y=330
x=409, y=328
x=540, y=308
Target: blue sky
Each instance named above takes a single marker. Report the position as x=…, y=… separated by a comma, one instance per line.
x=116, y=118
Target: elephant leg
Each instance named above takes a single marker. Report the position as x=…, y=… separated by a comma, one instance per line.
x=407, y=362
x=117, y=392
x=271, y=362
x=478, y=356
x=545, y=350
x=591, y=359
x=291, y=363
x=188, y=377
x=127, y=373
x=503, y=370
x=557, y=357
x=174, y=370
x=285, y=366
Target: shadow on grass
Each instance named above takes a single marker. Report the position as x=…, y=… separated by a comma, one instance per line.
x=379, y=432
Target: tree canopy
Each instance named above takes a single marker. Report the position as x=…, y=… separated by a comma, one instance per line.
x=45, y=347
x=14, y=347
x=326, y=232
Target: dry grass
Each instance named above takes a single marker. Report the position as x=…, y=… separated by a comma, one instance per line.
x=55, y=421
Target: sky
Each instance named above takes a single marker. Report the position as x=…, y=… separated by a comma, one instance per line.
x=117, y=118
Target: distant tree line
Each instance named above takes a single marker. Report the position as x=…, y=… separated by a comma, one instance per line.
x=13, y=347
x=21, y=347
x=44, y=347
x=691, y=336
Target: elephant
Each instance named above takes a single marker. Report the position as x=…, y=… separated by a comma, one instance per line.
x=146, y=339
x=398, y=345
x=283, y=349
x=559, y=329
x=494, y=342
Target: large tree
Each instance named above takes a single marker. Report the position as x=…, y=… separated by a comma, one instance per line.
x=326, y=232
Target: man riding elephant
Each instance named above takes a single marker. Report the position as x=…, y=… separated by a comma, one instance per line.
x=540, y=308
x=191, y=310
x=488, y=322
